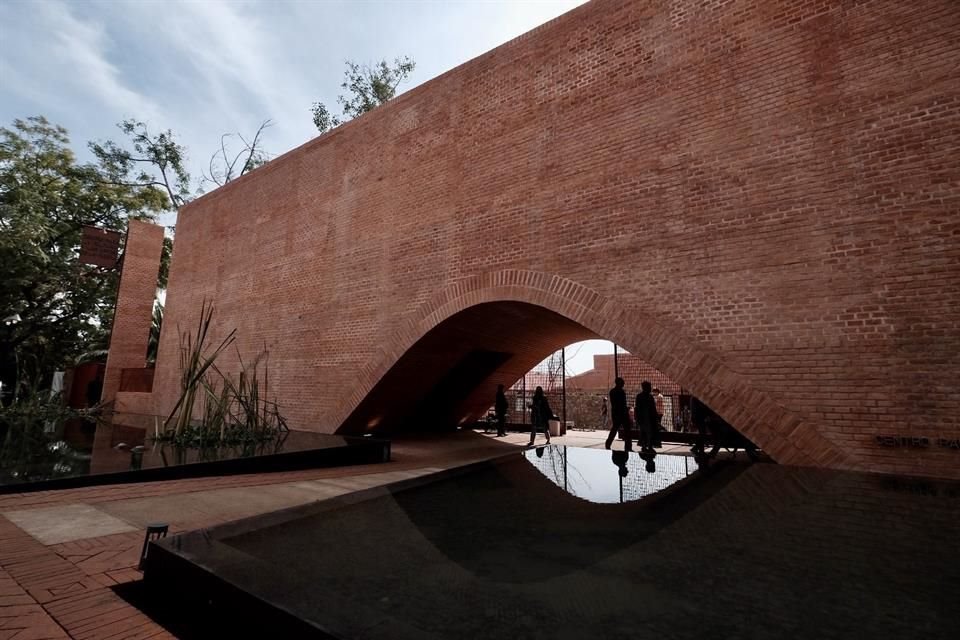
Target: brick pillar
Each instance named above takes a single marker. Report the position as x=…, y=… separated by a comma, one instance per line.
x=138, y=288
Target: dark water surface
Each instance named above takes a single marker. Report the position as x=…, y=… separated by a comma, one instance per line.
x=38, y=452
x=541, y=546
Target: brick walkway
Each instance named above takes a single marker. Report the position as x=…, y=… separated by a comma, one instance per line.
x=62, y=590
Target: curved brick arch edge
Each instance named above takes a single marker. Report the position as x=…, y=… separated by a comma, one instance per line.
x=786, y=437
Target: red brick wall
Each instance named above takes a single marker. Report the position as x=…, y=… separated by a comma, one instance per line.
x=633, y=370
x=134, y=312
x=789, y=167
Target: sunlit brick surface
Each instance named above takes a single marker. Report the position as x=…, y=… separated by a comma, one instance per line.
x=134, y=310
x=758, y=198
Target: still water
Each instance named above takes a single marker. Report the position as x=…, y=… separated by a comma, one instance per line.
x=541, y=546
x=609, y=476
x=32, y=452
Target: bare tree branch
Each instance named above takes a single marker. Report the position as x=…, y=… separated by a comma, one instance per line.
x=223, y=168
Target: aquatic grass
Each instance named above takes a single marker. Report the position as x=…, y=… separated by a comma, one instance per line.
x=231, y=412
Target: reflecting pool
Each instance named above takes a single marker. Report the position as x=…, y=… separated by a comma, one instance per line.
x=509, y=549
x=78, y=452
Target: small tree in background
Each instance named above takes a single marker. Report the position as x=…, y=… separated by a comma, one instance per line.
x=367, y=88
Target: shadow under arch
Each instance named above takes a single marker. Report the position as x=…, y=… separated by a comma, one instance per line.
x=486, y=328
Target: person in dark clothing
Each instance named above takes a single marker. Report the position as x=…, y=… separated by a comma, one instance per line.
x=619, y=414
x=699, y=419
x=648, y=420
x=500, y=409
x=540, y=415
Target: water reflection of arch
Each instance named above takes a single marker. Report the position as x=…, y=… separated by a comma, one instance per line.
x=530, y=529
x=592, y=474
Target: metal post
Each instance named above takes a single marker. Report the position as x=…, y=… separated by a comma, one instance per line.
x=524, y=394
x=563, y=380
x=616, y=365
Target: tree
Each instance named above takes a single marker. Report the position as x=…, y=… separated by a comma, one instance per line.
x=367, y=88
x=150, y=153
x=55, y=308
x=225, y=165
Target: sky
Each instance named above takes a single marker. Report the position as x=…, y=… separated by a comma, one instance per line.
x=208, y=67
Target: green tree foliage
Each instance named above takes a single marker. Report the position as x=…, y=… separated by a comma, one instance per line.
x=155, y=161
x=367, y=87
x=54, y=308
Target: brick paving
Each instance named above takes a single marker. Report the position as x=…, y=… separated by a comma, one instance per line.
x=64, y=590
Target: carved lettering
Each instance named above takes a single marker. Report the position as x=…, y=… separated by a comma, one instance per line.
x=904, y=442
x=917, y=442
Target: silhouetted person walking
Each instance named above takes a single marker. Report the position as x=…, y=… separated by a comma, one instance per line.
x=648, y=420
x=658, y=400
x=619, y=413
x=500, y=409
x=540, y=414
x=698, y=417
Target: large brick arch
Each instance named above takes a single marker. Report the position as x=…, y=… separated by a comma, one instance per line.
x=760, y=198
x=787, y=437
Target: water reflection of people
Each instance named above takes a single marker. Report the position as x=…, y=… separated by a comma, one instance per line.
x=648, y=457
x=540, y=415
x=540, y=452
x=620, y=459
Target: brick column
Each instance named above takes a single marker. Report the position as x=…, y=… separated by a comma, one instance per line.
x=135, y=296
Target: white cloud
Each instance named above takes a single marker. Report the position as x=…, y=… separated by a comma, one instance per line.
x=66, y=60
x=213, y=66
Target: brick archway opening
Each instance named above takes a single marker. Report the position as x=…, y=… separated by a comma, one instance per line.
x=449, y=376
x=441, y=366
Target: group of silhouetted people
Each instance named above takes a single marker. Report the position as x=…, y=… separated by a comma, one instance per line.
x=646, y=417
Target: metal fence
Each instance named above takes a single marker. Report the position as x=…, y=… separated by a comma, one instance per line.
x=584, y=408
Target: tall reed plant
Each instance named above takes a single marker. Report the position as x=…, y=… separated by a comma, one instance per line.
x=230, y=411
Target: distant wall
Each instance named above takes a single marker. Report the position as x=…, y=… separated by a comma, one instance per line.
x=135, y=298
